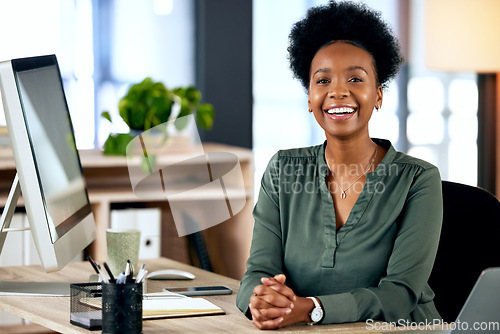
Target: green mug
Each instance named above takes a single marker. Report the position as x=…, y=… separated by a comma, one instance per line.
x=122, y=245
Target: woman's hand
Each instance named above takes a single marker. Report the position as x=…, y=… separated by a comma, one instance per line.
x=274, y=305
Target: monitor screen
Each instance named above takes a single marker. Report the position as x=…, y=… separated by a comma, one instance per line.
x=54, y=152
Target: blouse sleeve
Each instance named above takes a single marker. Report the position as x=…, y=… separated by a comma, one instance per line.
x=266, y=253
x=409, y=266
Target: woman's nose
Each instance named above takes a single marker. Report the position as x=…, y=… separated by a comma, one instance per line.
x=338, y=90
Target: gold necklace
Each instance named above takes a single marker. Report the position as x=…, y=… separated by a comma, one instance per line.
x=343, y=191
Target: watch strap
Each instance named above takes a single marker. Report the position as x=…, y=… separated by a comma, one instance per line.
x=316, y=306
x=315, y=300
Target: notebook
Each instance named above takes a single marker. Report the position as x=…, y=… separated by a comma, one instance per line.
x=179, y=307
x=481, y=311
x=168, y=305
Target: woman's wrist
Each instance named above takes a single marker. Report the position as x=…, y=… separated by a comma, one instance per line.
x=306, y=306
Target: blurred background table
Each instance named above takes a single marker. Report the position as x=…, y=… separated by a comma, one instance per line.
x=108, y=183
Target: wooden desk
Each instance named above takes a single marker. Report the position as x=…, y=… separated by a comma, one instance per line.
x=54, y=312
x=108, y=184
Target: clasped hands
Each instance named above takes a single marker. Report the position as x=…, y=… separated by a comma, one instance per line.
x=274, y=305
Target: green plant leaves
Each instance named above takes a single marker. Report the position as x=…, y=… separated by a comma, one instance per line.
x=149, y=103
x=146, y=105
x=106, y=115
x=117, y=144
x=205, y=116
x=189, y=94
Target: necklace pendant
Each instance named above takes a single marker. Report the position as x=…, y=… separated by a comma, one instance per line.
x=343, y=195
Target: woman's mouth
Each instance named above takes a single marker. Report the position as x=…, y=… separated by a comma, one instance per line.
x=340, y=113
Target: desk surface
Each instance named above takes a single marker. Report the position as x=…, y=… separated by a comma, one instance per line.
x=53, y=312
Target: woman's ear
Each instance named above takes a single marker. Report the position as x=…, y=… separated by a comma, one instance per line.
x=380, y=96
x=308, y=102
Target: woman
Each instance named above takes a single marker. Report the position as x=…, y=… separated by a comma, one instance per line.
x=348, y=230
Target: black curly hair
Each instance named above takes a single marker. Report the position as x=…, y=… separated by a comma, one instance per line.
x=349, y=22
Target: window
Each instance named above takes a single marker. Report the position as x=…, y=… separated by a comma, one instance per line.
x=281, y=119
x=102, y=47
x=441, y=122
x=64, y=29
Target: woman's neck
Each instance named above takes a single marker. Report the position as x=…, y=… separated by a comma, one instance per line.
x=348, y=153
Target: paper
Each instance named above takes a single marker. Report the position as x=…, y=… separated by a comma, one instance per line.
x=178, y=307
x=90, y=319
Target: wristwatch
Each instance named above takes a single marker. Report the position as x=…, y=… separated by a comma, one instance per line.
x=317, y=313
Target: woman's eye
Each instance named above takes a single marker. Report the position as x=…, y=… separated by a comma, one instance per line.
x=322, y=81
x=355, y=80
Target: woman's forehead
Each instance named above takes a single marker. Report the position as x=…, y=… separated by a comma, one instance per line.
x=342, y=54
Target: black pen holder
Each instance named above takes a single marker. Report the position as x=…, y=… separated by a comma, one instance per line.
x=85, y=309
x=122, y=308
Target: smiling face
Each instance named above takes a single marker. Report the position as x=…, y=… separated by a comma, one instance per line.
x=343, y=89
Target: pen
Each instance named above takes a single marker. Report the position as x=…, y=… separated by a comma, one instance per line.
x=94, y=265
x=141, y=276
x=130, y=276
x=121, y=278
x=103, y=276
x=132, y=268
x=127, y=272
x=111, y=277
x=97, y=269
x=143, y=267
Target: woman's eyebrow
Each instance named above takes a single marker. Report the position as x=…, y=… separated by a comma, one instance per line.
x=321, y=70
x=354, y=68
x=349, y=69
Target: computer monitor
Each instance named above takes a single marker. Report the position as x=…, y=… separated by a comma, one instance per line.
x=49, y=172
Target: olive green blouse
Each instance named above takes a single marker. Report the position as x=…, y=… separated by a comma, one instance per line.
x=374, y=267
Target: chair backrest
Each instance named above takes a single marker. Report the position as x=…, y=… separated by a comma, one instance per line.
x=470, y=243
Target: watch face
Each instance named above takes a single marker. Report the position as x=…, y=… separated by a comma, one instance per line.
x=316, y=314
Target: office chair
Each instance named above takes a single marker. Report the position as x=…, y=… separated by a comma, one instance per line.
x=469, y=244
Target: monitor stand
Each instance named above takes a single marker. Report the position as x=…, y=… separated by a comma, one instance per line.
x=15, y=288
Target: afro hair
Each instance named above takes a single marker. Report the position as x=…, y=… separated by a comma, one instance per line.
x=350, y=22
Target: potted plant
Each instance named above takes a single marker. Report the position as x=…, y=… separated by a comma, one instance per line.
x=149, y=103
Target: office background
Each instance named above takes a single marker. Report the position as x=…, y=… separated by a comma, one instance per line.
x=235, y=52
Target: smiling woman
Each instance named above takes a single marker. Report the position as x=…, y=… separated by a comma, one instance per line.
x=353, y=238
x=343, y=86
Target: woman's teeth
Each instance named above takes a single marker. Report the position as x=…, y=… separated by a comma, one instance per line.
x=340, y=110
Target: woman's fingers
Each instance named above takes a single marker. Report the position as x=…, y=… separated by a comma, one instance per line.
x=263, y=314
x=269, y=300
x=274, y=296
x=263, y=322
x=275, y=312
x=258, y=302
x=275, y=284
x=280, y=278
x=269, y=324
